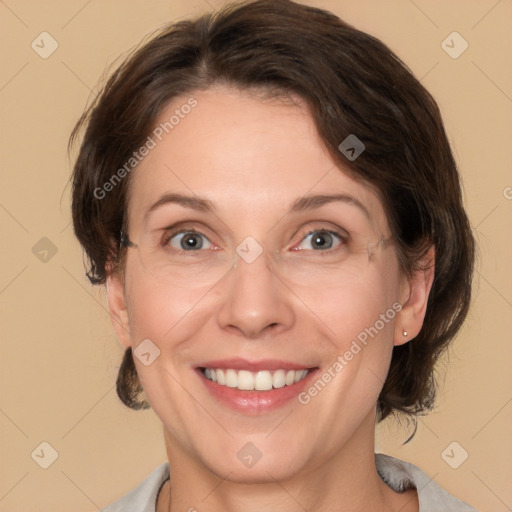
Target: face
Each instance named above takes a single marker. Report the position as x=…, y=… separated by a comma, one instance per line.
x=240, y=276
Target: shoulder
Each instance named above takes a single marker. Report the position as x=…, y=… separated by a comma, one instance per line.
x=143, y=497
x=400, y=475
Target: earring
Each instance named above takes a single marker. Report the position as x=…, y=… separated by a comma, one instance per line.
x=404, y=333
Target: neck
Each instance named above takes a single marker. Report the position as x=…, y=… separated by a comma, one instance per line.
x=346, y=481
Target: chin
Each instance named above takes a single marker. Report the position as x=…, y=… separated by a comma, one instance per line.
x=267, y=469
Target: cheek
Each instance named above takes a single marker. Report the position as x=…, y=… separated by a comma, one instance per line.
x=360, y=316
x=171, y=320
x=362, y=304
x=157, y=312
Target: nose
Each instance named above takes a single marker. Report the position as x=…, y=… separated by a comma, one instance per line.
x=255, y=302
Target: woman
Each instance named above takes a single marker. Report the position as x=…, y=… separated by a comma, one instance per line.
x=277, y=217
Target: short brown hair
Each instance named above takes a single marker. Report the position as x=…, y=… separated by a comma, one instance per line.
x=352, y=84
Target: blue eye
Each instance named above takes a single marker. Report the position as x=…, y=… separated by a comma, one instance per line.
x=194, y=241
x=321, y=240
x=189, y=241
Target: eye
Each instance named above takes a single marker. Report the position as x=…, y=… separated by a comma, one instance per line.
x=321, y=239
x=188, y=241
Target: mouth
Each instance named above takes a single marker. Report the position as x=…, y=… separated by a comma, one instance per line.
x=257, y=387
x=262, y=380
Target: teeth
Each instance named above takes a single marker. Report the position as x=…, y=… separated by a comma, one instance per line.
x=263, y=380
x=279, y=379
x=245, y=380
x=231, y=379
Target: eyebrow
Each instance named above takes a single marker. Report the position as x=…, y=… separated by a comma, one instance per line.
x=194, y=203
x=302, y=204
x=311, y=202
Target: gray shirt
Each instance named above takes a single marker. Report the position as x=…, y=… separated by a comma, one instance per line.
x=397, y=474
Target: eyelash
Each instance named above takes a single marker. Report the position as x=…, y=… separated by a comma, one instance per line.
x=170, y=233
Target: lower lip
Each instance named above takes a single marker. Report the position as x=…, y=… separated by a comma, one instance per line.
x=255, y=402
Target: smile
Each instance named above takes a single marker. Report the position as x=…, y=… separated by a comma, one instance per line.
x=263, y=380
x=255, y=387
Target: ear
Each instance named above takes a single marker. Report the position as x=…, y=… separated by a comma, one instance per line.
x=414, y=295
x=117, y=307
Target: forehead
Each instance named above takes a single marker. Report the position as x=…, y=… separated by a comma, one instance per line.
x=240, y=151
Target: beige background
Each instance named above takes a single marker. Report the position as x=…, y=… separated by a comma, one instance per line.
x=59, y=355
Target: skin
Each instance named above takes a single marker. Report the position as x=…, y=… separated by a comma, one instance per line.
x=318, y=456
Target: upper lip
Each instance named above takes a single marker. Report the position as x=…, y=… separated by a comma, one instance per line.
x=253, y=366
